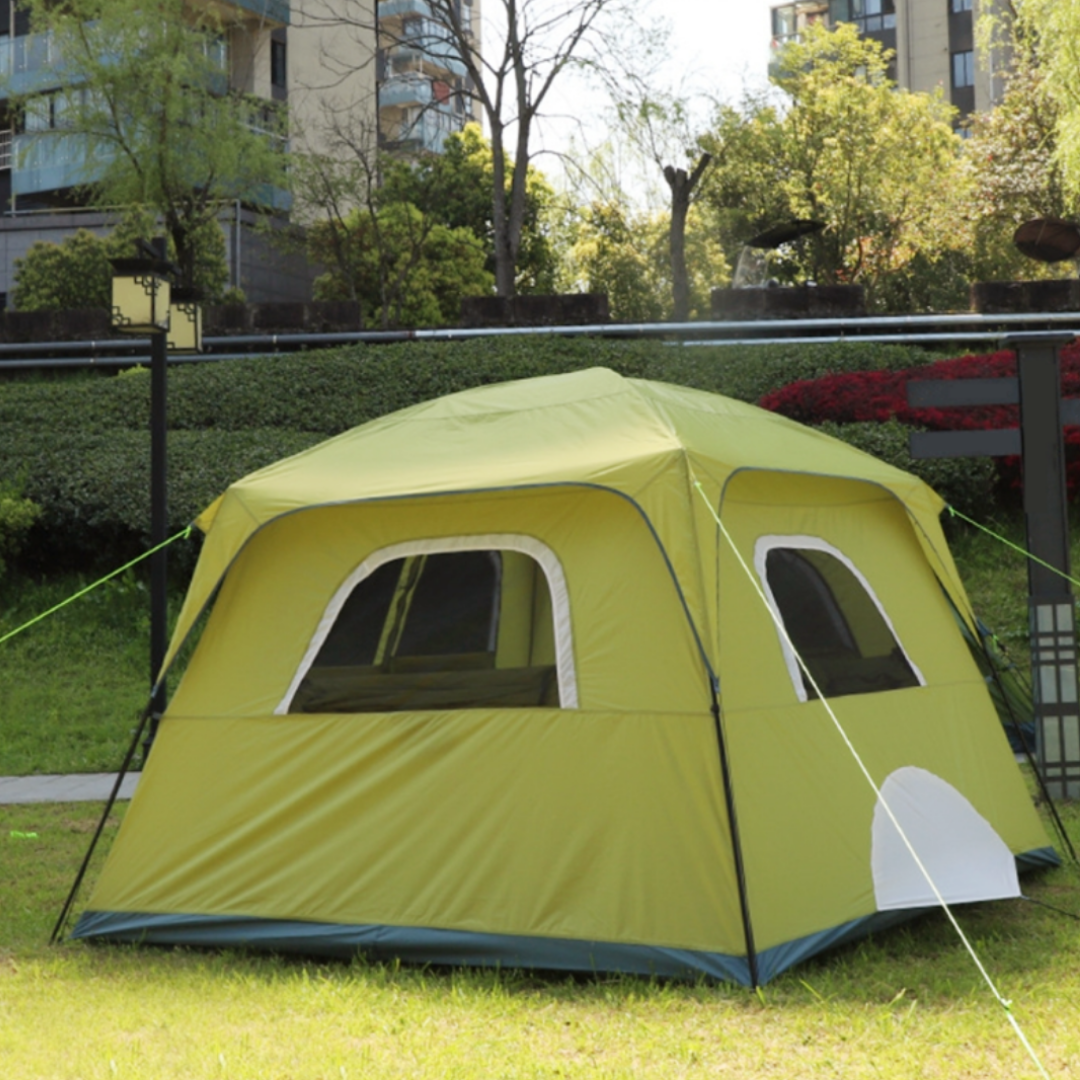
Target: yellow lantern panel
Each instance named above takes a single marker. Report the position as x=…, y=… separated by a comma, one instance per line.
x=185, y=327
x=140, y=303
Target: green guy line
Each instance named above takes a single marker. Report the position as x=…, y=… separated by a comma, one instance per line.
x=953, y=512
x=184, y=534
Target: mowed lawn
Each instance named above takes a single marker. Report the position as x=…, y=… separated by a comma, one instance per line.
x=907, y=1003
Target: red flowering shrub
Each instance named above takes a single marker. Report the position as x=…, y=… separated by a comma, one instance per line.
x=882, y=395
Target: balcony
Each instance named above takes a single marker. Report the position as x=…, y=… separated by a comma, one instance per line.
x=426, y=131
x=428, y=55
x=50, y=162
x=404, y=90
x=267, y=11
x=395, y=9
x=790, y=20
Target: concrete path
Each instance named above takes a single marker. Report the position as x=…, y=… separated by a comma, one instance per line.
x=82, y=787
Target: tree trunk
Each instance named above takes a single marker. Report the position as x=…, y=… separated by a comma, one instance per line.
x=682, y=187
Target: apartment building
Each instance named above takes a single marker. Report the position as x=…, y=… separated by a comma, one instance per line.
x=326, y=60
x=423, y=85
x=934, y=41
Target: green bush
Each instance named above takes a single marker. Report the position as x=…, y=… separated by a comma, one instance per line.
x=76, y=273
x=17, y=516
x=82, y=445
x=93, y=489
x=966, y=484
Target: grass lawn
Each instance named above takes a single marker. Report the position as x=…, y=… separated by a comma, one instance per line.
x=906, y=1003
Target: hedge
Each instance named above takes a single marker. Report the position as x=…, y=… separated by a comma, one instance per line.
x=331, y=391
x=854, y=397
x=80, y=448
x=94, y=488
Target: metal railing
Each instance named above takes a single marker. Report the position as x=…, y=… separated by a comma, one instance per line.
x=908, y=329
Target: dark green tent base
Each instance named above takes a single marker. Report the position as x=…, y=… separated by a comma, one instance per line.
x=456, y=948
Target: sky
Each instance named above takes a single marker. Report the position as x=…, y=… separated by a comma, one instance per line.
x=716, y=47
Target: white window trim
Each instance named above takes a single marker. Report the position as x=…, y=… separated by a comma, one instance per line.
x=764, y=545
x=526, y=545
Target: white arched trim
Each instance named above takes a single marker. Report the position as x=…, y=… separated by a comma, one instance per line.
x=959, y=848
x=764, y=545
x=526, y=545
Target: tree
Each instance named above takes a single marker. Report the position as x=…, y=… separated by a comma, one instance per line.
x=76, y=273
x=878, y=166
x=1045, y=34
x=402, y=264
x=509, y=79
x=403, y=271
x=1016, y=172
x=657, y=122
x=626, y=255
x=142, y=99
x=454, y=189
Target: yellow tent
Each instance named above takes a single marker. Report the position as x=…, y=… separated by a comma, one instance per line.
x=483, y=682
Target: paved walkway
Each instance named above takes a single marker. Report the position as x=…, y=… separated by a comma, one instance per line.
x=83, y=787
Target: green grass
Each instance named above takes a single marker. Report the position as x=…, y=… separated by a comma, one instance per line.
x=904, y=1004
x=73, y=685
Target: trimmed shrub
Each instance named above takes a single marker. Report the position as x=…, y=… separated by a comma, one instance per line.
x=17, y=516
x=855, y=397
x=82, y=444
x=94, y=489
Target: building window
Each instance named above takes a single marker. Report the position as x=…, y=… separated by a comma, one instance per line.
x=872, y=16
x=278, y=64
x=963, y=69
x=421, y=627
x=832, y=619
x=960, y=5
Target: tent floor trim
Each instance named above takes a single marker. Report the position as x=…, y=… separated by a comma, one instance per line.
x=423, y=945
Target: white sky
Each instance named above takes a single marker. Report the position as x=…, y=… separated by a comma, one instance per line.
x=717, y=46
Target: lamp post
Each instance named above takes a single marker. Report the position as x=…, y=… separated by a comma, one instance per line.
x=144, y=303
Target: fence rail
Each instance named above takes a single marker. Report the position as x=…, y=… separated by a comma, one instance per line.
x=906, y=329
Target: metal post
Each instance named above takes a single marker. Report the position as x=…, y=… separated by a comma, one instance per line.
x=159, y=524
x=1050, y=600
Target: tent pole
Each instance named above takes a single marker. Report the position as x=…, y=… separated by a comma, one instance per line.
x=133, y=746
x=736, y=846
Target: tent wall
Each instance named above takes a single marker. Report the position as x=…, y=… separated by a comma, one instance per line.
x=628, y=619
x=805, y=811
x=604, y=823
x=574, y=824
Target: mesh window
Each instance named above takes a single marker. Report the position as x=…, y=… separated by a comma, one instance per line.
x=835, y=625
x=451, y=630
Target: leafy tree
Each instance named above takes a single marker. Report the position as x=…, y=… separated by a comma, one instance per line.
x=404, y=270
x=526, y=46
x=626, y=255
x=1045, y=34
x=454, y=188
x=1016, y=172
x=142, y=98
x=657, y=122
x=394, y=258
x=76, y=272
x=879, y=167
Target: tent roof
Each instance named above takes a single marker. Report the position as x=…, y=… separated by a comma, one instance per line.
x=588, y=427
x=592, y=426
